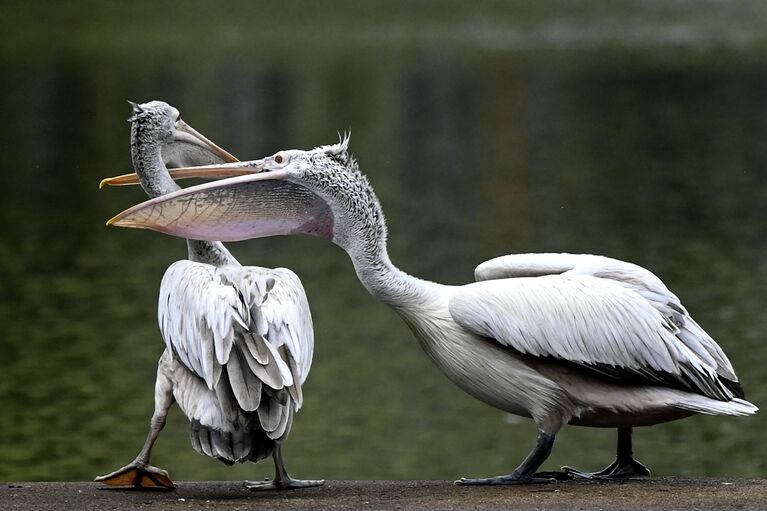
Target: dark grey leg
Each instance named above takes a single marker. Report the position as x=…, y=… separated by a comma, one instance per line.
x=139, y=473
x=525, y=472
x=624, y=466
x=282, y=480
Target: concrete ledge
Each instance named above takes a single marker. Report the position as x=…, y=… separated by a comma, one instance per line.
x=650, y=494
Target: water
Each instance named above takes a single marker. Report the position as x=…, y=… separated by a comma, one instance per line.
x=637, y=131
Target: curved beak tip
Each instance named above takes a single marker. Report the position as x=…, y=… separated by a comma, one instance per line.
x=103, y=183
x=121, y=221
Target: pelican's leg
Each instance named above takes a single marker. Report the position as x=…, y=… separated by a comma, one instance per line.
x=624, y=466
x=139, y=473
x=282, y=480
x=525, y=472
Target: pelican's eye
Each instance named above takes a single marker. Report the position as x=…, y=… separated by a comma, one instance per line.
x=281, y=158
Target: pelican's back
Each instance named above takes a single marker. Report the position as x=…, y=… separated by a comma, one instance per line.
x=239, y=346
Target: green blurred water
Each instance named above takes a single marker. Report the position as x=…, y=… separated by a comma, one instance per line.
x=636, y=130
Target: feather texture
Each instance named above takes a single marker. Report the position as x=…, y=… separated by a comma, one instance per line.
x=230, y=357
x=607, y=315
x=245, y=335
x=510, y=339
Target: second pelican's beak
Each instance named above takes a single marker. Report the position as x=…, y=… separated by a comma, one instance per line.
x=186, y=134
x=206, y=153
x=204, y=171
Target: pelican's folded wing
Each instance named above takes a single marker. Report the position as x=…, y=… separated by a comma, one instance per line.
x=529, y=265
x=632, y=277
x=591, y=321
x=282, y=317
x=251, y=325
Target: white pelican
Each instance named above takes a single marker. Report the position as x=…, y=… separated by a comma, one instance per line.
x=239, y=339
x=560, y=338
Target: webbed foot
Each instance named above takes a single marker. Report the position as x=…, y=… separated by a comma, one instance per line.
x=504, y=480
x=621, y=468
x=282, y=484
x=139, y=476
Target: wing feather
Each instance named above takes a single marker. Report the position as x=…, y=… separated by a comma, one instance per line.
x=246, y=385
x=632, y=277
x=251, y=324
x=592, y=321
x=272, y=413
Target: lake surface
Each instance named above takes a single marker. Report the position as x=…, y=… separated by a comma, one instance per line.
x=636, y=130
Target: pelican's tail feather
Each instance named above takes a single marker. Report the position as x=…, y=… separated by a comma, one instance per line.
x=702, y=404
x=230, y=446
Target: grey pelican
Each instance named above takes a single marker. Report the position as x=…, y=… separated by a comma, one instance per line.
x=239, y=339
x=560, y=338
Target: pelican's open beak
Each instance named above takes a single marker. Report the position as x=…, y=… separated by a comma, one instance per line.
x=264, y=204
x=204, y=171
x=185, y=134
x=242, y=169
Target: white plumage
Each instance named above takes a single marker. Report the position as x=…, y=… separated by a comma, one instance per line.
x=247, y=333
x=601, y=313
x=561, y=338
x=239, y=339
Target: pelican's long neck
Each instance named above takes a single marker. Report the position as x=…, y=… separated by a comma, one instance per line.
x=368, y=251
x=151, y=170
x=387, y=282
x=156, y=181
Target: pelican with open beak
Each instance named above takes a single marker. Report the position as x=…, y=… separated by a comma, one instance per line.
x=559, y=338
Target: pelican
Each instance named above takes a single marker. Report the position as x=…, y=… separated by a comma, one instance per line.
x=559, y=338
x=239, y=339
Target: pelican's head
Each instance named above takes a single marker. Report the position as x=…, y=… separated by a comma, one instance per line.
x=157, y=128
x=158, y=123
x=320, y=192
x=331, y=173
x=153, y=123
